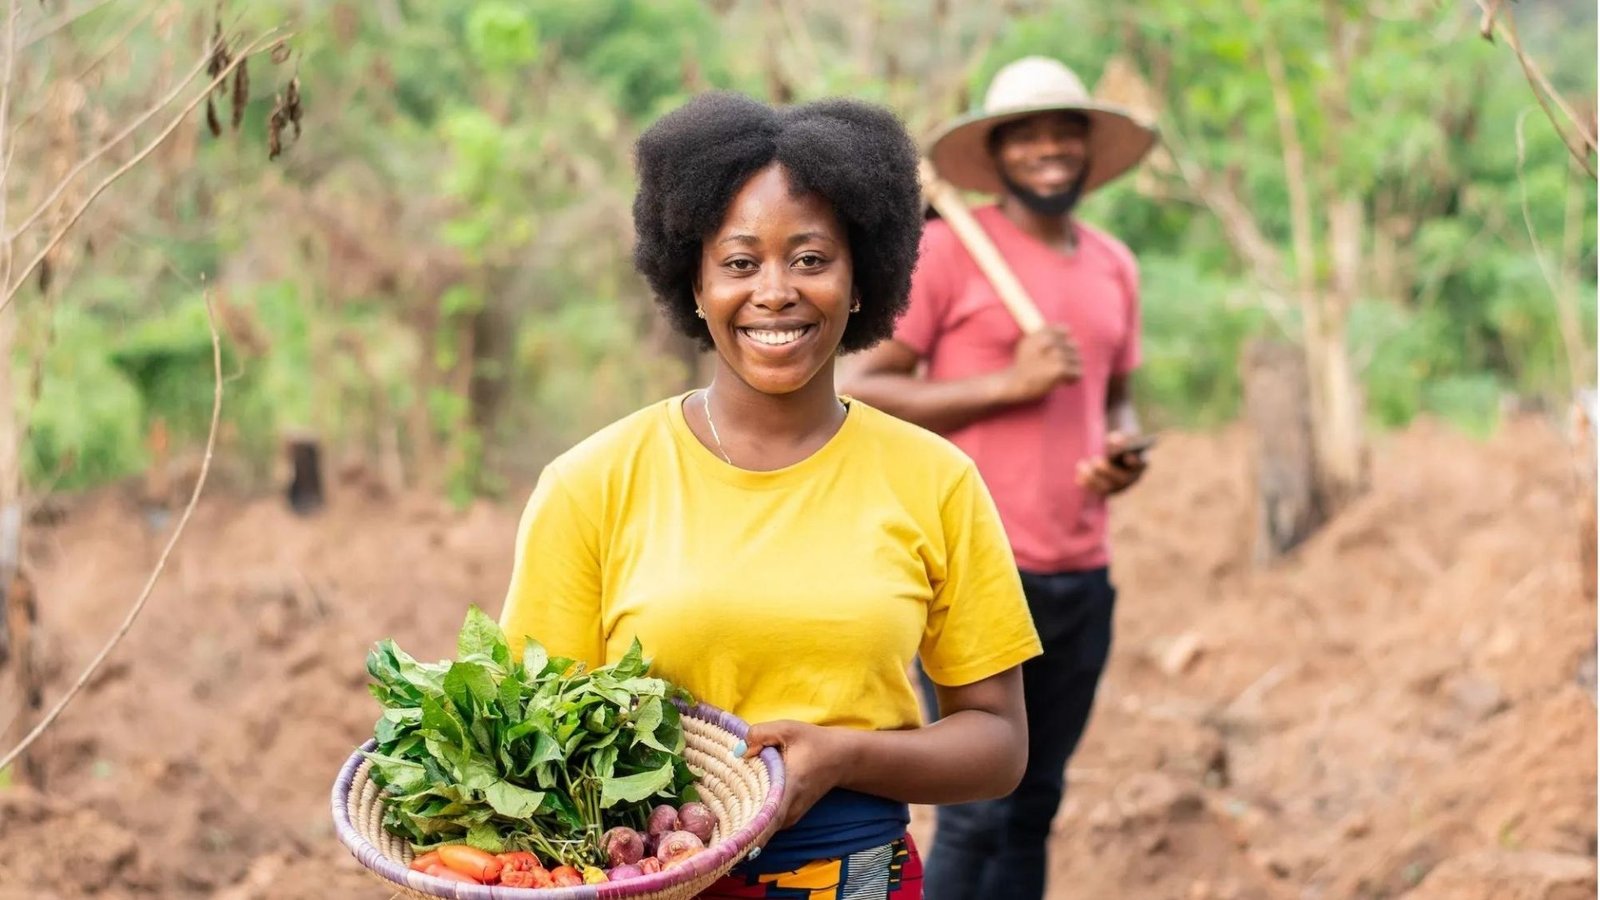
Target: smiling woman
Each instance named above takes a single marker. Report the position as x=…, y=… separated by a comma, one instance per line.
x=781, y=551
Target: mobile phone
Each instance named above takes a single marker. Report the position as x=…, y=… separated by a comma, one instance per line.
x=1134, y=448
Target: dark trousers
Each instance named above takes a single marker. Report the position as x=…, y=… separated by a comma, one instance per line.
x=995, y=849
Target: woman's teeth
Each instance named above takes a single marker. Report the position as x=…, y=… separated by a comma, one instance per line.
x=775, y=338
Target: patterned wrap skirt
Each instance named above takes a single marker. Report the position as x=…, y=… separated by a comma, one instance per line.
x=890, y=872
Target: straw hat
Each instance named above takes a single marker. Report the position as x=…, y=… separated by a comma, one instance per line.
x=1032, y=85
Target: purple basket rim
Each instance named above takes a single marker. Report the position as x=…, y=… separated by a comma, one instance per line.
x=730, y=847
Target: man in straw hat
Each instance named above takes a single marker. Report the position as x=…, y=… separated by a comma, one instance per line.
x=1046, y=415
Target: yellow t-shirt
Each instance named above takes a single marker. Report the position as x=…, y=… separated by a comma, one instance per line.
x=801, y=593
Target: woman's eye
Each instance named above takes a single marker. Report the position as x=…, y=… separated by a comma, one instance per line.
x=809, y=260
x=741, y=265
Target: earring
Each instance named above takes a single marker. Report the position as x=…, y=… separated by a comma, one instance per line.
x=856, y=307
x=699, y=312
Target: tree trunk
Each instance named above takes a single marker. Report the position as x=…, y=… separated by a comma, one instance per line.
x=19, y=672
x=1337, y=409
x=305, y=493
x=17, y=606
x=1283, y=452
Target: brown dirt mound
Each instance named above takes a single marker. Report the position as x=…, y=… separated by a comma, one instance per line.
x=1401, y=709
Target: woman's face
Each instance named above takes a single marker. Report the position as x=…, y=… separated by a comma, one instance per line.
x=775, y=284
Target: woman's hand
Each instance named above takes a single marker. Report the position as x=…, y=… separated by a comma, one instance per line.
x=976, y=751
x=814, y=759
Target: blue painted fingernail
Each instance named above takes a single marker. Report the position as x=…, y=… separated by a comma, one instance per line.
x=738, y=749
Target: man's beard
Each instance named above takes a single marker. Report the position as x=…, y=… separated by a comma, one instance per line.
x=1054, y=205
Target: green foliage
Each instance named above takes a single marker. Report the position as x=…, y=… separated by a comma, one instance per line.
x=501, y=36
x=465, y=183
x=1194, y=326
x=533, y=754
x=86, y=427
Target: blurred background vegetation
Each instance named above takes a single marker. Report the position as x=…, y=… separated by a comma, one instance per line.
x=435, y=276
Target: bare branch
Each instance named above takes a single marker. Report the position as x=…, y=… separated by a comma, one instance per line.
x=99, y=59
x=61, y=233
x=1243, y=232
x=9, y=67
x=161, y=563
x=1486, y=24
x=100, y=151
x=1566, y=308
x=65, y=20
x=1294, y=160
x=1579, y=145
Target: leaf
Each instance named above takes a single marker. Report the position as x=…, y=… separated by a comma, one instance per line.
x=647, y=720
x=634, y=788
x=565, y=813
x=481, y=636
x=608, y=692
x=466, y=682
x=604, y=740
x=632, y=664
x=682, y=776
x=603, y=764
x=482, y=736
x=402, y=776
x=442, y=722
x=511, y=698
x=410, y=745
x=548, y=775
x=512, y=801
x=391, y=686
x=427, y=678
x=651, y=687
x=475, y=772
x=535, y=659
x=386, y=731
x=485, y=838
x=538, y=722
x=671, y=731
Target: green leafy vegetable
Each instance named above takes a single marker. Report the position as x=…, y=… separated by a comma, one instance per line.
x=539, y=755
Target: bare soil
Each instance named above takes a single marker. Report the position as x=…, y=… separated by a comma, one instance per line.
x=1405, y=708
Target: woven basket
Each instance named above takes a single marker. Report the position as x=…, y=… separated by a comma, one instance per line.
x=743, y=794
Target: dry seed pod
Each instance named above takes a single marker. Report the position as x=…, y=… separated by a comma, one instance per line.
x=292, y=104
x=275, y=127
x=280, y=52
x=241, y=91
x=212, y=122
x=219, y=51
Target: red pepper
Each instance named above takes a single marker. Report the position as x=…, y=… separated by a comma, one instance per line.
x=421, y=863
x=481, y=866
x=440, y=870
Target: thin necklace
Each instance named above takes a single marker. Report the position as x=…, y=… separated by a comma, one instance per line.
x=705, y=399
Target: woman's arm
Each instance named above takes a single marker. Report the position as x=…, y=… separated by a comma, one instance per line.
x=975, y=752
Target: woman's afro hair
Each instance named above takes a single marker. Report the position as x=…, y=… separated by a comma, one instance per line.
x=855, y=155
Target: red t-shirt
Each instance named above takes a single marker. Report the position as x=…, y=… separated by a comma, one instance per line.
x=1028, y=455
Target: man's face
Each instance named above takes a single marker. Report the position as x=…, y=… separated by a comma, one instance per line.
x=1044, y=154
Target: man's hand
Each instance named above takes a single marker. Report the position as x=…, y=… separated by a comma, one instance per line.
x=813, y=760
x=1114, y=472
x=1045, y=358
